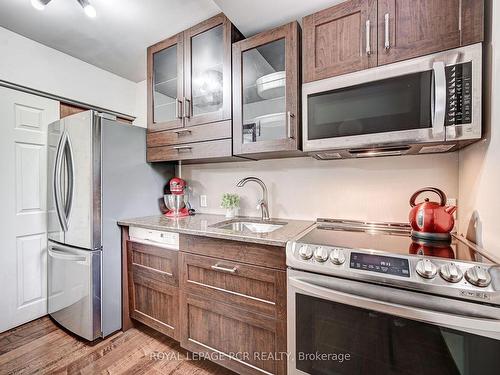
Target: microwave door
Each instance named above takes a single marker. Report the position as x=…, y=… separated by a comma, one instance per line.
x=394, y=109
x=80, y=205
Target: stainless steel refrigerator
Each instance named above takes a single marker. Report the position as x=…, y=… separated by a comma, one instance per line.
x=97, y=174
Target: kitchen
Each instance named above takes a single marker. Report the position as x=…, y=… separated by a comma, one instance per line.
x=300, y=131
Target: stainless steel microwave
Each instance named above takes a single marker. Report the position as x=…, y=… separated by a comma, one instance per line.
x=428, y=104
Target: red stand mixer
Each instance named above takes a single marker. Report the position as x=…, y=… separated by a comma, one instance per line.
x=176, y=198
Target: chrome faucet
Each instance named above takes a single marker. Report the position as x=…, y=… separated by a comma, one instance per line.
x=263, y=203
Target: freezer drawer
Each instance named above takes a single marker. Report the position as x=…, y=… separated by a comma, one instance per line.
x=74, y=289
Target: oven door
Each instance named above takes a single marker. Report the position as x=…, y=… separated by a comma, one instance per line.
x=339, y=326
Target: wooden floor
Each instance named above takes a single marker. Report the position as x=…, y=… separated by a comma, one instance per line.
x=41, y=347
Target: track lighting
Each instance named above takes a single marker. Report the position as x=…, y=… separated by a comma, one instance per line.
x=39, y=4
x=87, y=7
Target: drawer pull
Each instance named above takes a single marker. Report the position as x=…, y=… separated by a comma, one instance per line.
x=224, y=269
x=183, y=132
x=165, y=273
x=181, y=148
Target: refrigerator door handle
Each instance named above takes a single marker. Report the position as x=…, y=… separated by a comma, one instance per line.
x=65, y=256
x=71, y=180
x=57, y=181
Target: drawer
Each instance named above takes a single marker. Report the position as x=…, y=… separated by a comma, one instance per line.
x=238, y=251
x=249, y=287
x=242, y=337
x=153, y=287
x=191, y=134
x=151, y=265
x=191, y=151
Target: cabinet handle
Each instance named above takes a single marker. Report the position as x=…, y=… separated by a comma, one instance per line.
x=182, y=132
x=224, y=269
x=387, y=43
x=368, y=47
x=289, y=117
x=180, y=148
x=187, y=108
x=178, y=108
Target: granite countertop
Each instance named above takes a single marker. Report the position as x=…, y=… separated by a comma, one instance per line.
x=200, y=225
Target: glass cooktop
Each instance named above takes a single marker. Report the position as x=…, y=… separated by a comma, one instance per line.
x=389, y=238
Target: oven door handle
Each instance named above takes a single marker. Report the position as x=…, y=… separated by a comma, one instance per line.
x=439, y=98
x=480, y=326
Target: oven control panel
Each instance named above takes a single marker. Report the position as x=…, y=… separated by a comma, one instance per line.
x=380, y=263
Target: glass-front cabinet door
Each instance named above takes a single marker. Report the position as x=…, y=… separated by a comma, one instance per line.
x=208, y=72
x=165, y=84
x=266, y=92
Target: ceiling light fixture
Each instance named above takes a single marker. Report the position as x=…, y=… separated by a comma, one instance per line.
x=88, y=8
x=39, y=4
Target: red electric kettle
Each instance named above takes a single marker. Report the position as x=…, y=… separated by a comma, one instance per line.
x=431, y=220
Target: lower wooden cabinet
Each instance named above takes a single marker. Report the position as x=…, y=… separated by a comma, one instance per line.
x=225, y=300
x=153, y=287
x=243, y=341
x=232, y=311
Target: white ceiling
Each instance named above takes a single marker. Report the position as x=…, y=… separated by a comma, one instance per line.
x=116, y=40
x=253, y=16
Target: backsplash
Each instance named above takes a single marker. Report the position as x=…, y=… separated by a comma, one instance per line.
x=376, y=189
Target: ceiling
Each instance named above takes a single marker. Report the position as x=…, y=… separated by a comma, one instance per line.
x=117, y=38
x=253, y=16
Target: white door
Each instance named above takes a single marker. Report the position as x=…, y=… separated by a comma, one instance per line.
x=23, y=205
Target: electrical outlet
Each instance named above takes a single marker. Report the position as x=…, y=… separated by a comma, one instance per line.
x=203, y=201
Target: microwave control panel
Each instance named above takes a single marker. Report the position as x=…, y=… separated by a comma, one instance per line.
x=458, y=94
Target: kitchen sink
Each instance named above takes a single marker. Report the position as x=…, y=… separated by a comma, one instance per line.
x=252, y=226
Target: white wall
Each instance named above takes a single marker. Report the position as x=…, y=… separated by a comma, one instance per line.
x=305, y=188
x=141, y=105
x=479, y=164
x=31, y=64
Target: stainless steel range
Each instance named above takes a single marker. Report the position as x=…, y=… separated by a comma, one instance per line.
x=367, y=298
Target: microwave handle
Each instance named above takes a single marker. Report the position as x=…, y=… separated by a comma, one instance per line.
x=439, y=101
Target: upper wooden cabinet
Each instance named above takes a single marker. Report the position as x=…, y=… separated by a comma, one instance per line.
x=166, y=84
x=360, y=34
x=266, y=93
x=340, y=39
x=189, y=84
x=207, y=75
x=189, y=76
x=411, y=28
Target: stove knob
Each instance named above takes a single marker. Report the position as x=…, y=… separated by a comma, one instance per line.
x=305, y=252
x=426, y=269
x=337, y=256
x=478, y=276
x=450, y=272
x=320, y=254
